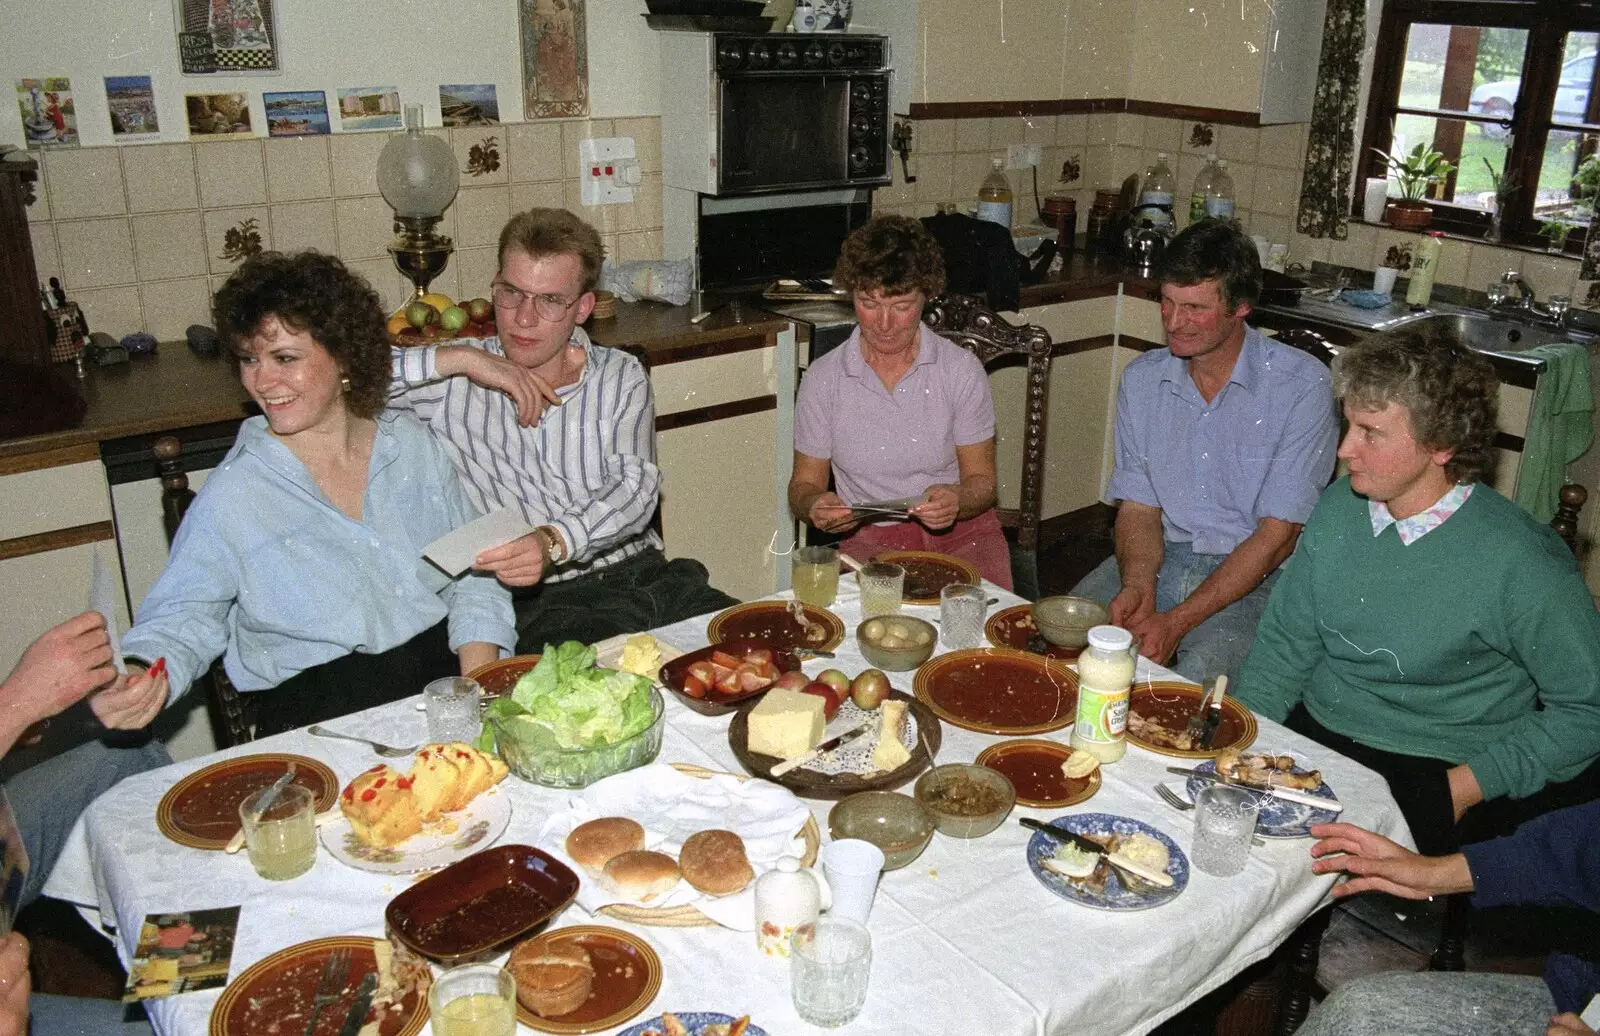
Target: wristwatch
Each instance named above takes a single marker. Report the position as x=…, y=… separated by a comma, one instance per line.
x=555, y=552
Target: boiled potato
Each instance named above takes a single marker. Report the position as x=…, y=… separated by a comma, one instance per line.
x=874, y=629
x=920, y=636
x=892, y=641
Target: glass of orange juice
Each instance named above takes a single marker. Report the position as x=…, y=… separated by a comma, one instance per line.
x=814, y=574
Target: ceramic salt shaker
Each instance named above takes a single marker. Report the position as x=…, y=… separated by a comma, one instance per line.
x=786, y=898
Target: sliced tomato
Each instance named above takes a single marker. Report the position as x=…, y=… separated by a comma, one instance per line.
x=727, y=661
x=752, y=679
x=758, y=656
x=730, y=684
x=768, y=670
x=705, y=672
x=694, y=687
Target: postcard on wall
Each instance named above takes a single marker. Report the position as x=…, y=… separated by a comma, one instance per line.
x=182, y=953
x=49, y=118
x=132, y=103
x=555, y=58
x=469, y=104
x=227, y=37
x=218, y=116
x=369, y=108
x=296, y=113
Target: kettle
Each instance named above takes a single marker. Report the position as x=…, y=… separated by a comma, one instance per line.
x=1145, y=242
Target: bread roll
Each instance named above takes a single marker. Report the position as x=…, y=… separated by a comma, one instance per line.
x=596, y=843
x=553, y=975
x=715, y=862
x=642, y=875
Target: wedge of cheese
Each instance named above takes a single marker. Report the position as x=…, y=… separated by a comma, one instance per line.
x=787, y=723
x=890, y=754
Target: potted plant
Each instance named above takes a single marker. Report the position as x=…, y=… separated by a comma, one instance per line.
x=1505, y=185
x=1555, y=231
x=1395, y=260
x=1415, y=171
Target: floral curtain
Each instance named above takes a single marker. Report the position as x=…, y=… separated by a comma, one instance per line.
x=1330, y=149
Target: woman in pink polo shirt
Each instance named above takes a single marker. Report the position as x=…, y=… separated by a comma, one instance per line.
x=897, y=412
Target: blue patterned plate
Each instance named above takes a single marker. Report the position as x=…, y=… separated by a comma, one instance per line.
x=1116, y=895
x=1278, y=818
x=694, y=1021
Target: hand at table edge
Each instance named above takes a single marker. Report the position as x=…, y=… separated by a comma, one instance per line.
x=1381, y=865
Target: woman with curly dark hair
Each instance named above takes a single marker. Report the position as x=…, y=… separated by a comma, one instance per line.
x=300, y=560
x=898, y=414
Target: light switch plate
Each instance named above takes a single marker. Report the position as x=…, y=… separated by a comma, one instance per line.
x=604, y=162
x=1023, y=156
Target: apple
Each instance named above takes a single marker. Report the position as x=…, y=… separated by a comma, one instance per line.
x=870, y=689
x=419, y=314
x=830, y=703
x=480, y=310
x=454, y=318
x=835, y=679
x=792, y=681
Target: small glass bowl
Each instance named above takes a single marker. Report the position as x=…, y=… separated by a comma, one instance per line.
x=962, y=825
x=895, y=823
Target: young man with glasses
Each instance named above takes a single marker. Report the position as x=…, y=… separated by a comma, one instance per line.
x=542, y=420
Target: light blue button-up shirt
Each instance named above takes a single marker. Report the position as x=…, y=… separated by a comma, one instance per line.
x=269, y=574
x=1263, y=448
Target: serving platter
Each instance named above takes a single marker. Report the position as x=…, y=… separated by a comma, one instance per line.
x=490, y=898
x=1033, y=766
x=454, y=837
x=772, y=623
x=697, y=1022
x=1277, y=818
x=202, y=810
x=284, y=984
x=627, y=976
x=924, y=736
x=999, y=691
x=1014, y=628
x=1171, y=704
x=1115, y=895
x=927, y=573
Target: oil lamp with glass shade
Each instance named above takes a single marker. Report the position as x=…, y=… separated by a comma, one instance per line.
x=417, y=176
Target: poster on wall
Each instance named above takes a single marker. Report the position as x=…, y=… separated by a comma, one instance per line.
x=555, y=59
x=131, y=100
x=469, y=104
x=227, y=37
x=296, y=113
x=369, y=108
x=49, y=118
x=218, y=116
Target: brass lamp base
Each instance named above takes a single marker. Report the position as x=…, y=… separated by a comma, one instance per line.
x=419, y=253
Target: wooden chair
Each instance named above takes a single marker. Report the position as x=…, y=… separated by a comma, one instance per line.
x=230, y=714
x=969, y=323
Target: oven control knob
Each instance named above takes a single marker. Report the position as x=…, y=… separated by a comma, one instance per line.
x=835, y=54
x=729, y=54
x=814, y=54
x=788, y=54
x=758, y=55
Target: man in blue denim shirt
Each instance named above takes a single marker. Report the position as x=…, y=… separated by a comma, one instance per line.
x=1224, y=440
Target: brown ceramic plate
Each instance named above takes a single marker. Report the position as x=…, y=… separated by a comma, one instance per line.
x=770, y=621
x=627, y=976
x=1014, y=628
x=1171, y=704
x=285, y=984
x=928, y=573
x=484, y=901
x=810, y=784
x=1033, y=766
x=497, y=678
x=715, y=703
x=202, y=810
x=999, y=691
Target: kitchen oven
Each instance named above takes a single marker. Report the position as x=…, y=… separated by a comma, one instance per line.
x=757, y=114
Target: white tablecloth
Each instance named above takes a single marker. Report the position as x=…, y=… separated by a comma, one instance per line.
x=965, y=939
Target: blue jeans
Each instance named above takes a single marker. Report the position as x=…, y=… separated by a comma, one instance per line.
x=79, y=1016
x=47, y=798
x=1219, y=644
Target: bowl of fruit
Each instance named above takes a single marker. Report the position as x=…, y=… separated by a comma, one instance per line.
x=715, y=679
x=433, y=317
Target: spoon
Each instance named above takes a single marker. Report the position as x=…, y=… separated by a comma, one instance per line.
x=391, y=751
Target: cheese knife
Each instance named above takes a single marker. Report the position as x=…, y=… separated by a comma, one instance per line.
x=859, y=730
x=358, y=1011
x=1158, y=878
x=1304, y=798
x=1213, y=710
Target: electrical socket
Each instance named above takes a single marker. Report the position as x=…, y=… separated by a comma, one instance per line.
x=1023, y=156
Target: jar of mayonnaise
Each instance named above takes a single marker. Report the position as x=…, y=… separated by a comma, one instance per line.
x=1105, y=676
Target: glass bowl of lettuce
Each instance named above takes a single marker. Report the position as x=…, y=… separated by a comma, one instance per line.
x=568, y=722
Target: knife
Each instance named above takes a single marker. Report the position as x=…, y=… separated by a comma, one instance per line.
x=358, y=1010
x=1060, y=834
x=1214, y=713
x=859, y=730
x=1286, y=794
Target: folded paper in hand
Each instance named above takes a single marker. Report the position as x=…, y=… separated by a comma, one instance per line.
x=102, y=599
x=455, y=551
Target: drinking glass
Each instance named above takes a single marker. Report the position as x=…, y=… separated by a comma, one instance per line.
x=829, y=968
x=474, y=1000
x=961, y=611
x=282, y=842
x=814, y=574
x=881, y=588
x=1224, y=823
x=452, y=704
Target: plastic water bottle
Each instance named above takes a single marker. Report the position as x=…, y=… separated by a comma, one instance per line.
x=1202, y=187
x=1219, y=195
x=994, y=196
x=1159, y=187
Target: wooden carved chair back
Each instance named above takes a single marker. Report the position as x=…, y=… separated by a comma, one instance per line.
x=969, y=323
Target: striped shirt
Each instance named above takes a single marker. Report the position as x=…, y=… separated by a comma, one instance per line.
x=587, y=468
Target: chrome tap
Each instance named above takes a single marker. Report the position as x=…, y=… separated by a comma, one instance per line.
x=1525, y=294
x=1526, y=305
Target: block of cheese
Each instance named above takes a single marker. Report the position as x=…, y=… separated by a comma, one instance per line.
x=890, y=753
x=641, y=655
x=787, y=723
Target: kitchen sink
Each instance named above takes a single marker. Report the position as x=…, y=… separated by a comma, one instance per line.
x=1484, y=333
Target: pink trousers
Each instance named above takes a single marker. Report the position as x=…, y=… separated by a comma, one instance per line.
x=979, y=541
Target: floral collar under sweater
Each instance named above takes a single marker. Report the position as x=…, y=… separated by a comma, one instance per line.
x=1418, y=525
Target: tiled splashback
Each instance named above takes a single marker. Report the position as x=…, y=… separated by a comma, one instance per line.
x=141, y=235
x=951, y=157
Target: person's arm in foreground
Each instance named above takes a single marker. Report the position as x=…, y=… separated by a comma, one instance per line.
x=65, y=664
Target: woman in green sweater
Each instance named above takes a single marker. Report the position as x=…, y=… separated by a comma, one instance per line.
x=1425, y=626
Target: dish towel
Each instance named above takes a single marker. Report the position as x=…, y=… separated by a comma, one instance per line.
x=1561, y=429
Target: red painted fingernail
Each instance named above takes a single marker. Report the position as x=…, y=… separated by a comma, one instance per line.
x=159, y=670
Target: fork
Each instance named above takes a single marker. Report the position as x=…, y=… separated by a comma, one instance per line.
x=331, y=985
x=392, y=751
x=1183, y=805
